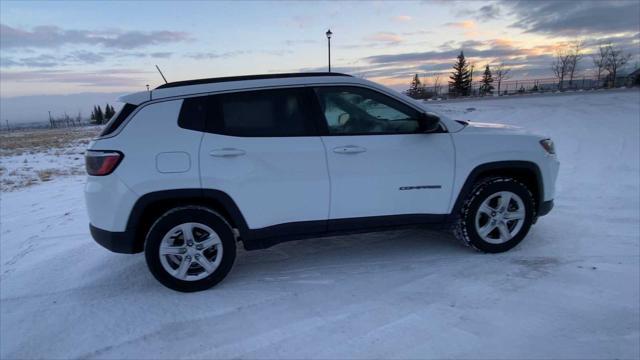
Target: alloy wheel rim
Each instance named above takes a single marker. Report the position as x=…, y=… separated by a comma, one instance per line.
x=190, y=251
x=500, y=217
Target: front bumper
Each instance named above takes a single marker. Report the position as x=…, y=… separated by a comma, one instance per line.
x=120, y=242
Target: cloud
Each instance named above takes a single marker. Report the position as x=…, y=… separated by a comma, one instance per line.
x=573, y=18
x=467, y=24
x=442, y=55
x=385, y=37
x=483, y=14
x=161, y=55
x=42, y=61
x=215, y=55
x=105, y=78
x=52, y=36
x=80, y=57
x=401, y=18
x=235, y=53
x=488, y=12
x=86, y=57
x=416, y=32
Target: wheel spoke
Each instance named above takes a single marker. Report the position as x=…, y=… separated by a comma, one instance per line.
x=505, y=234
x=210, y=241
x=187, y=232
x=514, y=215
x=207, y=265
x=486, y=230
x=505, y=199
x=172, y=250
x=181, y=271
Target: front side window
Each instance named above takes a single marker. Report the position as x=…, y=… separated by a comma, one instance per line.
x=354, y=110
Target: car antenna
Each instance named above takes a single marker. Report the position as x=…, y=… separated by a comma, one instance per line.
x=161, y=74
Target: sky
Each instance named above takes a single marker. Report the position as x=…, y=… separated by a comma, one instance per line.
x=57, y=49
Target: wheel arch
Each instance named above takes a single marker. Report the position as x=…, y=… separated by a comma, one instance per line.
x=525, y=171
x=151, y=205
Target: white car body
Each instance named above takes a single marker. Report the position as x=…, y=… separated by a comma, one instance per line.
x=299, y=185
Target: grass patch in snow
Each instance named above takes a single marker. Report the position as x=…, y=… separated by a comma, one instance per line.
x=29, y=157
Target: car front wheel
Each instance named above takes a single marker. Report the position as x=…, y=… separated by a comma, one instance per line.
x=496, y=215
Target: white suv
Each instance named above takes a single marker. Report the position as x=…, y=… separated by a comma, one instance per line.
x=187, y=170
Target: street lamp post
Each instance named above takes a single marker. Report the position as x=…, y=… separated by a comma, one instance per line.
x=329, y=33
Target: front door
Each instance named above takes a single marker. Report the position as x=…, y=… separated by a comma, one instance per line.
x=380, y=161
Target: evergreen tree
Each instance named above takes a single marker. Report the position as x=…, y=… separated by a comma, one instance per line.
x=460, y=83
x=416, y=89
x=487, y=80
x=108, y=112
x=94, y=119
x=99, y=115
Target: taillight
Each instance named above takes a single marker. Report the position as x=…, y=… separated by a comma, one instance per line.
x=101, y=163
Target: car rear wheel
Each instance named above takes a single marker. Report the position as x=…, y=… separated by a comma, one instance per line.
x=496, y=215
x=190, y=248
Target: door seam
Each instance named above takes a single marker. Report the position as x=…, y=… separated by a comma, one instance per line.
x=326, y=161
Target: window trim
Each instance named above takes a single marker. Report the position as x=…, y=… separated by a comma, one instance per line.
x=311, y=86
x=324, y=124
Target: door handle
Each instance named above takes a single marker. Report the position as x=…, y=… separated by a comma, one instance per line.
x=227, y=152
x=349, y=149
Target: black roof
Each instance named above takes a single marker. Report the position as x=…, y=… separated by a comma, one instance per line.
x=245, y=77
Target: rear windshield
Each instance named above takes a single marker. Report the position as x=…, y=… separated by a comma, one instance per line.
x=118, y=119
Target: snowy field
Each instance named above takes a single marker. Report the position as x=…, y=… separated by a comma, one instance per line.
x=570, y=290
x=29, y=157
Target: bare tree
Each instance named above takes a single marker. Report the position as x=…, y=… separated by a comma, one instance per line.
x=575, y=55
x=560, y=66
x=79, y=118
x=600, y=61
x=616, y=60
x=501, y=73
x=436, y=83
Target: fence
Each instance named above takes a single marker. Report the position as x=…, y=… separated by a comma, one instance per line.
x=509, y=87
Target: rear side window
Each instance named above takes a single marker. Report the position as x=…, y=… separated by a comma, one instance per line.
x=264, y=113
x=118, y=119
x=193, y=113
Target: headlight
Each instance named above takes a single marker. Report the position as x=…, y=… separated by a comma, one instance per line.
x=547, y=145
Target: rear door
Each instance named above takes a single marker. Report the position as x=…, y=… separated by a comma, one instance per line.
x=262, y=149
x=380, y=161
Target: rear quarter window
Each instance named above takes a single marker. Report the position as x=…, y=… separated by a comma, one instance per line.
x=118, y=119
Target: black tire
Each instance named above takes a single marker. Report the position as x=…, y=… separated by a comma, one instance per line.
x=465, y=227
x=182, y=215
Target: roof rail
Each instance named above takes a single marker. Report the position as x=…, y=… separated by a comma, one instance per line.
x=245, y=77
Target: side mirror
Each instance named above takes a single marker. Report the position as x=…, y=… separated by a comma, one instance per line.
x=429, y=122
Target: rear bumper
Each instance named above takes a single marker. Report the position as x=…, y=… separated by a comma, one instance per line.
x=545, y=208
x=119, y=242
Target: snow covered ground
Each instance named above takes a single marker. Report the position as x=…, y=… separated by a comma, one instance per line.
x=570, y=290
